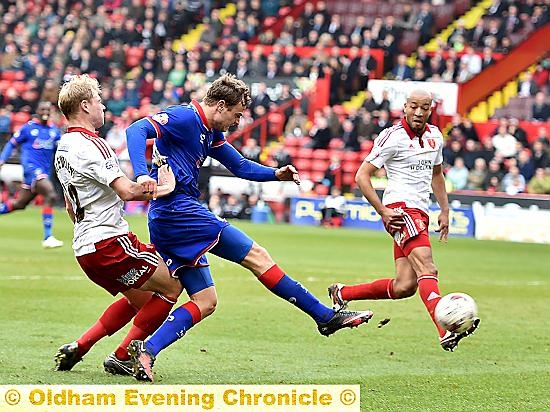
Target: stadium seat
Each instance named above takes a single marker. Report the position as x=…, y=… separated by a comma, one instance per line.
x=321, y=190
x=317, y=176
x=366, y=145
x=303, y=165
x=292, y=151
x=319, y=165
x=350, y=156
x=336, y=144
x=305, y=153
x=349, y=167
x=20, y=86
x=321, y=154
x=12, y=75
x=348, y=179
x=134, y=55
x=18, y=119
x=291, y=141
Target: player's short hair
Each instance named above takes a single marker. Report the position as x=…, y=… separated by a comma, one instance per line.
x=74, y=91
x=230, y=89
x=419, y=93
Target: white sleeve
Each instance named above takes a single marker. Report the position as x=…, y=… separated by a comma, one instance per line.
x=101, y=166
x=384, y=149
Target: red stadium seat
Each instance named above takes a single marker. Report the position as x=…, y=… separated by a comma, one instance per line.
x=321, y=190
x=336, y=144
x=366, y=145
x=350, y=156
x=20, y=86
x=303, y=165
x=13, y=75
x=318, y=165
x=348, y=179
x=317, y=176
x=321, y=154
x=349, y=167
x=18, y=119
x=134, y=55
x=291, y=141
x=305, y=153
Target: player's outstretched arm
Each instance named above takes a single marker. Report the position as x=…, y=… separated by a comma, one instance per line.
x=288, y=173
x=136, y=138
x=241, y=167
x=129, y=190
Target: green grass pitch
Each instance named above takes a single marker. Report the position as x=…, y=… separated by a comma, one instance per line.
x=256, y=338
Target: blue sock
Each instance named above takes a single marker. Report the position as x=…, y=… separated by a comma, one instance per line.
x=47, y=221
x=173, y=328
x=292, y=291
x=5, y=208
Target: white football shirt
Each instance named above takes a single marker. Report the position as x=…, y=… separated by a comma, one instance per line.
x=409, y=161
x=86, y=166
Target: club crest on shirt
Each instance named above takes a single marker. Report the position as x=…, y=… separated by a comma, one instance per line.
x=431, y=142
x=161, y=118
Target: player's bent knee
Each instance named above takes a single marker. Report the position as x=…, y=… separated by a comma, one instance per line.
x=404, y=290
x=258, y=260
x=206, y=306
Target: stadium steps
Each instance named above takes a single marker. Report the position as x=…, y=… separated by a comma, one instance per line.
x=486, y=109
x=356, y=101
x=189, y=40
x=470, y=18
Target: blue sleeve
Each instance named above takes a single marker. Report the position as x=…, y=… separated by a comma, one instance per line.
x=6, y=152
x=240, y=166
x=136, y=137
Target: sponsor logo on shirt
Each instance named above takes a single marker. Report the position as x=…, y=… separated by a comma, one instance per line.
x=111, y=164
x=161, y=118
x=422, y=165
x=133, y=276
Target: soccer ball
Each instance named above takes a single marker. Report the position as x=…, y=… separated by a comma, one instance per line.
x=456, y=312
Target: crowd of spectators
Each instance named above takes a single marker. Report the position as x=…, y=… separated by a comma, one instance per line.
x=130, y=46
x=505, y=161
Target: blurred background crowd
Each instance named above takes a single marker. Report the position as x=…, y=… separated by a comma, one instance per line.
x=149, y=54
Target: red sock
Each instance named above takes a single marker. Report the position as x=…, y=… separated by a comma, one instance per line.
x=271, y=276
x=147, y=320
x=194, y=310
x=428, y=289
x=117, y=315
x=378, y=289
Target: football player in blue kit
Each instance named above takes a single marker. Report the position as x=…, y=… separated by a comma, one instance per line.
x=183, y=230
x=37, y=141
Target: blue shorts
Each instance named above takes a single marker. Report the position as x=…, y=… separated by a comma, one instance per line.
x=185, y=230
x=32, y=174
x=233, y=245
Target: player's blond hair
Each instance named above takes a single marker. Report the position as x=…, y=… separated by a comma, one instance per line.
x=230, y=89
x=74, y=91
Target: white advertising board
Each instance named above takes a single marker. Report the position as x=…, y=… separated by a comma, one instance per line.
x=445, y=93
x=511, y=223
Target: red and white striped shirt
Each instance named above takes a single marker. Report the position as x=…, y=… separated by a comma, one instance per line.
x=409, y=160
